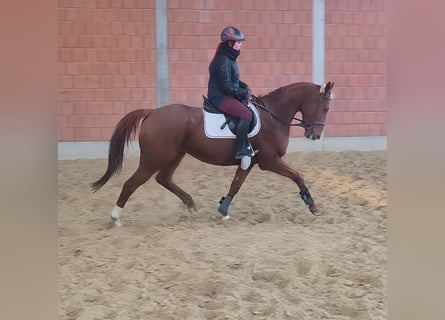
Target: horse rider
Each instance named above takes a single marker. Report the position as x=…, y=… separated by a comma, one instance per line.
x=226, y=91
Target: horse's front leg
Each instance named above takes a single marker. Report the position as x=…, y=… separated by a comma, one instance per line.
x=280, y=167
x=237, y=182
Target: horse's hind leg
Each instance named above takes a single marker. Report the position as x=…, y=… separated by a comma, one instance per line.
x=237, y=182
x=139, y=177
x=164, y=178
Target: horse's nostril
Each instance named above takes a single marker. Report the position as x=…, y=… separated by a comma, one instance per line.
x=318, y=137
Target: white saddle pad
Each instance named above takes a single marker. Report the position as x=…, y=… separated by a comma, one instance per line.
x=214, y=121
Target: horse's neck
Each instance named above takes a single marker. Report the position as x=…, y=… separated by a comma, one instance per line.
x=285, y=105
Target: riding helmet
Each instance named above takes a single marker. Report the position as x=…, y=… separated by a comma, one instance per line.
x=231, y=34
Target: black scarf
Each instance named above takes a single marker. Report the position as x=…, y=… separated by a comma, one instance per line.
x=229, y=51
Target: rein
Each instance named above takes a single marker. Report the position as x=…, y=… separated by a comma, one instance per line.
x=303, y=124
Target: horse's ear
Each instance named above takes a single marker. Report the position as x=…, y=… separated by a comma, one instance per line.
x=329, y=86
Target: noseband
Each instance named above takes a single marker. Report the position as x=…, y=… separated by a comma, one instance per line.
x=310, y=125
x=304, y=124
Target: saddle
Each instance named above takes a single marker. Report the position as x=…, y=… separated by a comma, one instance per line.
x=231, y=121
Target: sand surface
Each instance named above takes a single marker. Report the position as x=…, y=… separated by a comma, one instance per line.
x=274, y=260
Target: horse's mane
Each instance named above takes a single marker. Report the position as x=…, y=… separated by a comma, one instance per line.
x=284, y=90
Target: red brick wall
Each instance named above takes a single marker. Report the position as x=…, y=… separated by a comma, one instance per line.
x=106, y=64
x=277, y=51
x=356, y=60
x=107, y=58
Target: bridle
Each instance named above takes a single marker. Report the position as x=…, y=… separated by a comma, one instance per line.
x=304, y=124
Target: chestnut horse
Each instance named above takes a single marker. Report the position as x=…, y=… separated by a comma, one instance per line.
x=166, y=134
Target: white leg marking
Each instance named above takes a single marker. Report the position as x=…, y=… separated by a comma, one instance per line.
x=115, y=215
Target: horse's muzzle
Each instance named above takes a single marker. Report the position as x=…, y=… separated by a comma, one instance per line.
x=310, y=132
x=313, y=136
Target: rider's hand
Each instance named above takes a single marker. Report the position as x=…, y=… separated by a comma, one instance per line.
x=248, y=94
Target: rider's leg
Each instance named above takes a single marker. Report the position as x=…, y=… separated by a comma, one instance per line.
x=238, y=109
x=241, y=148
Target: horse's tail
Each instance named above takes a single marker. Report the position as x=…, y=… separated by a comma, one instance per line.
x=123, y=133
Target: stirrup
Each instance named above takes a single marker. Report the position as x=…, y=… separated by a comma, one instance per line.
x=244, y=152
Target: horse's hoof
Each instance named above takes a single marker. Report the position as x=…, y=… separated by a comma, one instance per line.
x=314, y=210
x=191, y=206
x=226, y=218
x=117, y=222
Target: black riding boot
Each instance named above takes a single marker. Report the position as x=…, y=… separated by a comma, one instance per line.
x=241, y=148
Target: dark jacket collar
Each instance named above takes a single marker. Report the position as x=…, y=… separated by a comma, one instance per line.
x=229, y=51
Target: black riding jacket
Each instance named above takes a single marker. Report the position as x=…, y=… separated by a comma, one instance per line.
x=224, y=75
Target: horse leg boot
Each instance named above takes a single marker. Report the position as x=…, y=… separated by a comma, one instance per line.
x=224, y=204
x=307, y=198
x=241, y=148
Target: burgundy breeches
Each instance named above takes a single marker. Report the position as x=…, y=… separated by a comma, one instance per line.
x=235, y=108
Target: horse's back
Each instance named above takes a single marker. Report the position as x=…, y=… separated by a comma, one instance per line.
x=173, y=116
x=170, y=124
